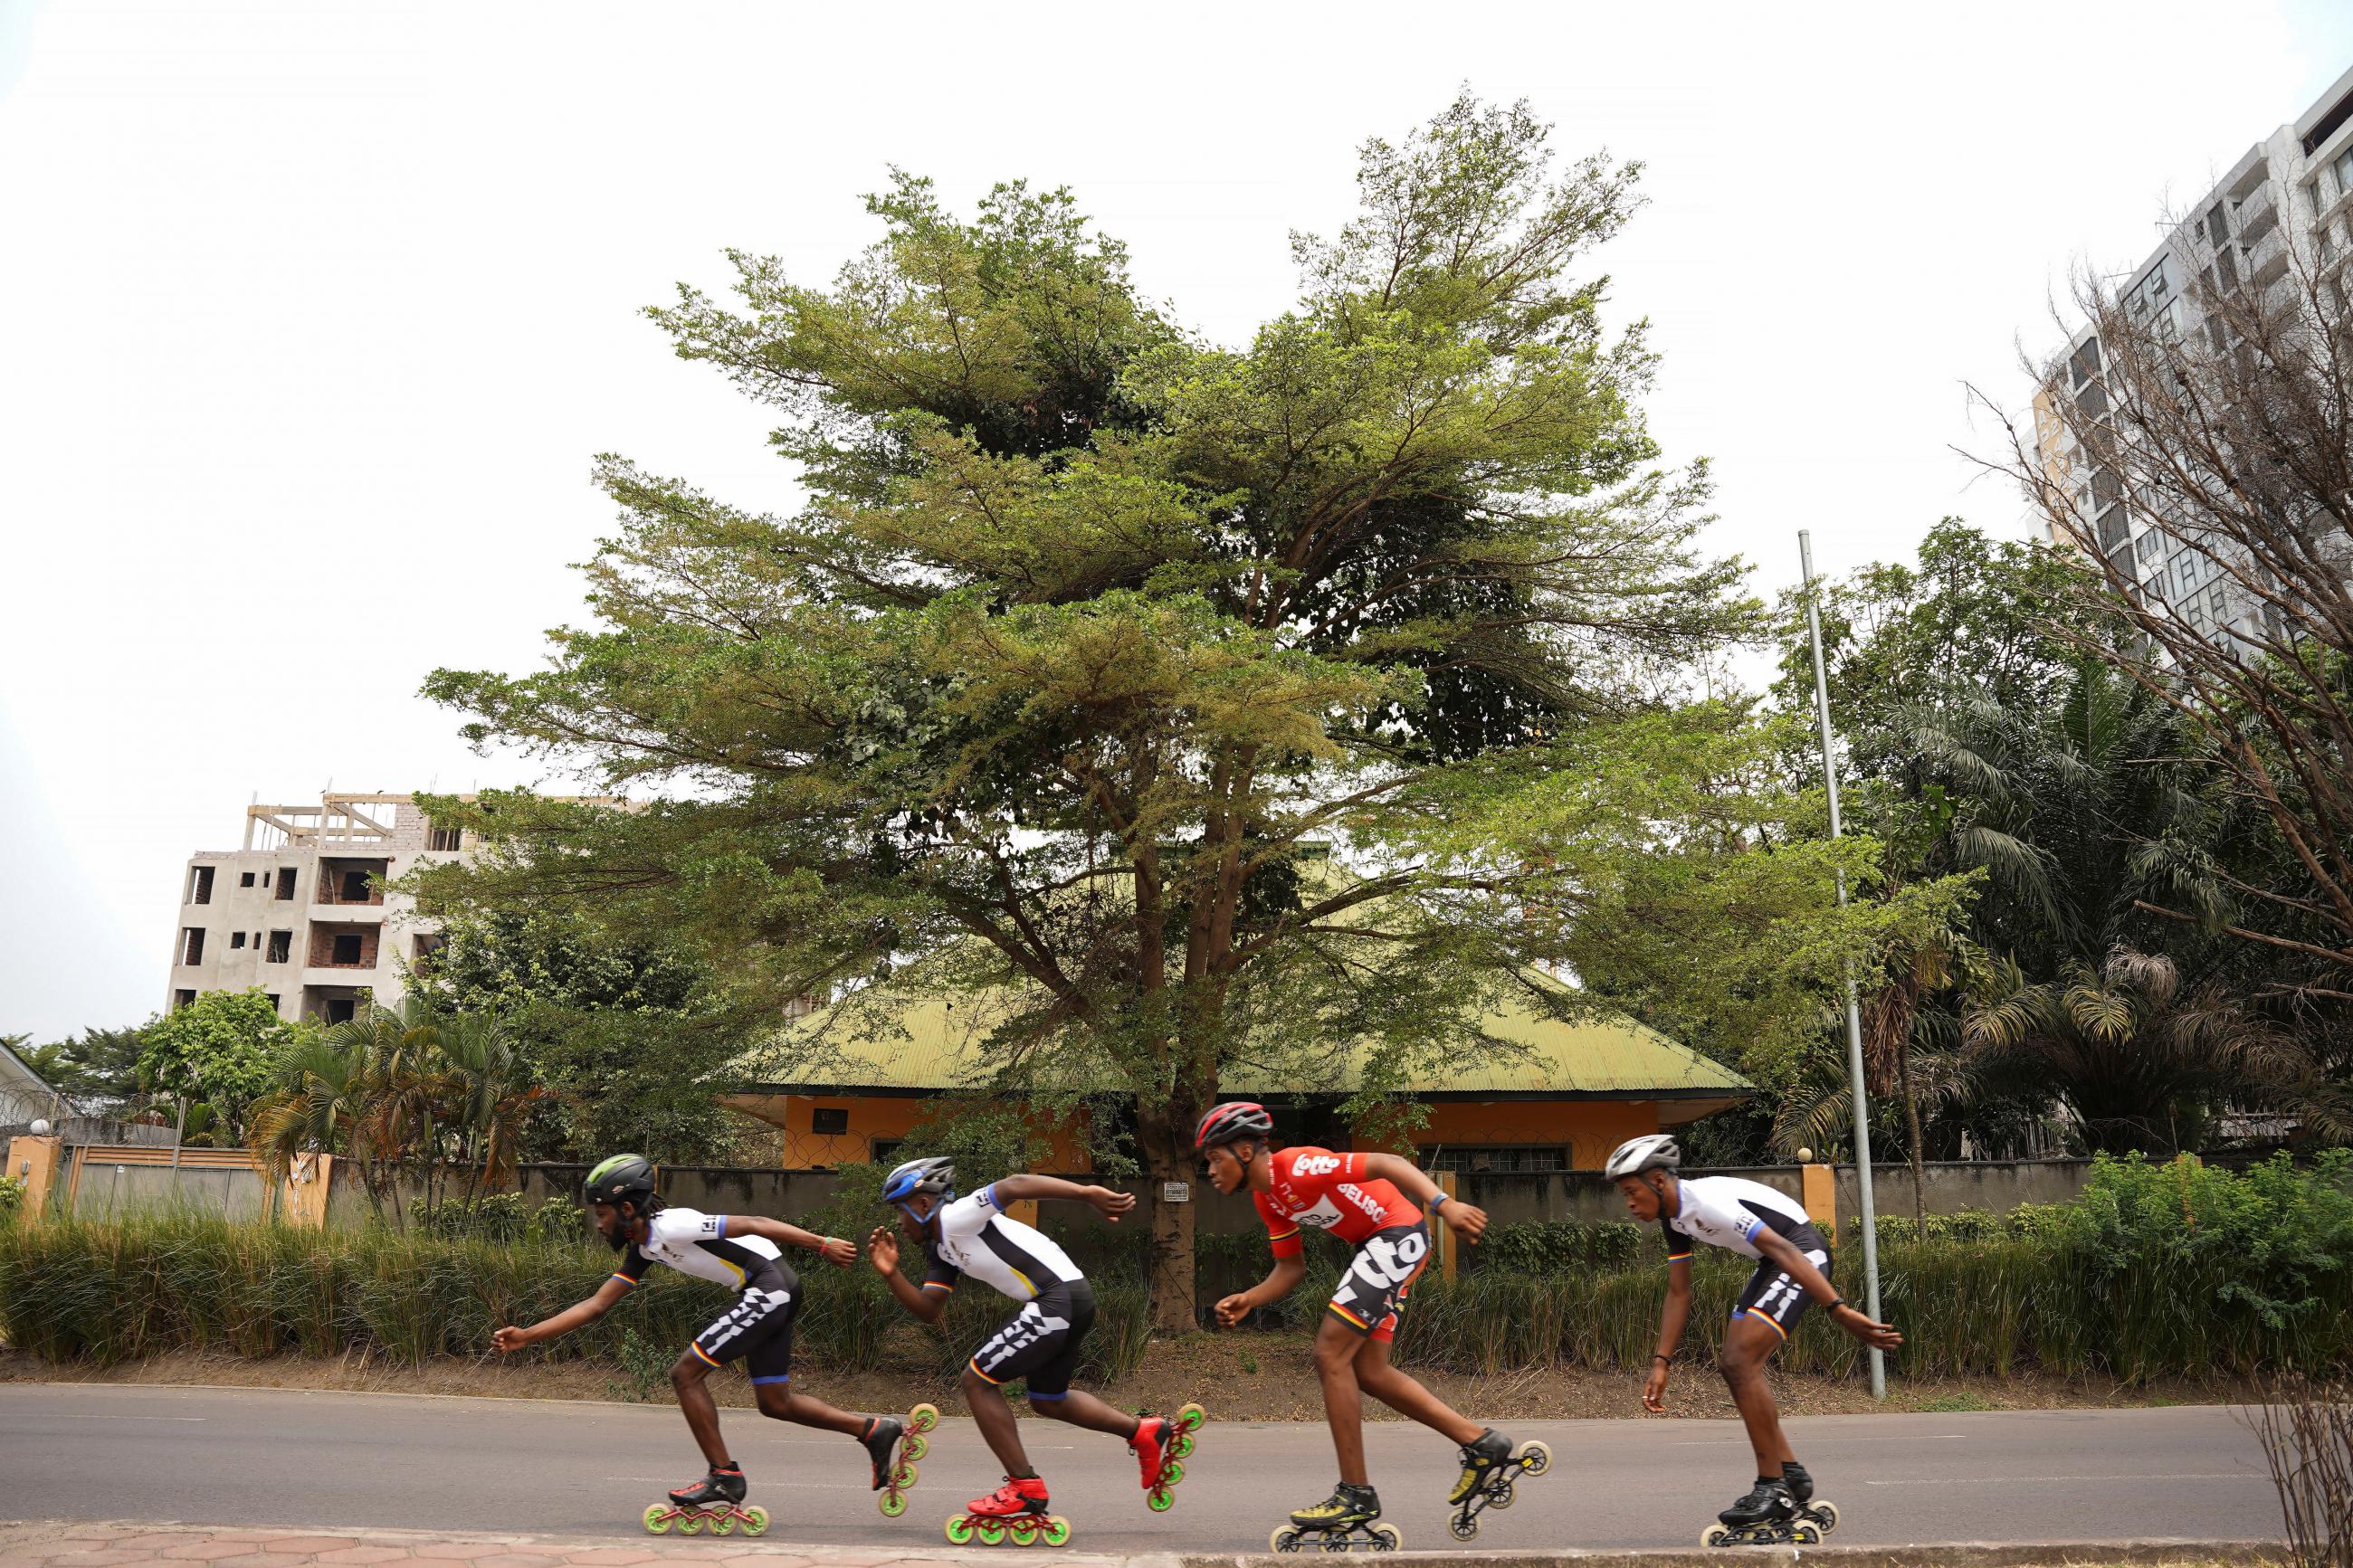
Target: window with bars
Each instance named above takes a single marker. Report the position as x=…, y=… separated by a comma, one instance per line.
x=1512, y=1159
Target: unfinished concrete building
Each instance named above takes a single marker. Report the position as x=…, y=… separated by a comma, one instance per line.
x=303, y=912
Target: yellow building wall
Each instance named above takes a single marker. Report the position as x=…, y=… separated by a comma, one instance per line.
x=1589, y=1128
x=872, y=1117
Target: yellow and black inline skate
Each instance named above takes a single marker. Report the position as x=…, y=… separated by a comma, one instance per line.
x=1491, y=1466
x=1344, y=1521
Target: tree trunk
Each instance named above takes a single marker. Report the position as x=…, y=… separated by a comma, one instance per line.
x=1912, y=1125
x=1166, y=1144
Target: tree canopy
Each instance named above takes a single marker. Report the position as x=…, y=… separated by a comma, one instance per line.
x=1221, y=703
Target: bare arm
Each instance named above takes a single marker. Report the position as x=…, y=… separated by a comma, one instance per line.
x=1023, y=1187
x=1672, y=1317
x=1282, y=1282
x=1467, y=1222
x=1776, y=1250
x=882, y=1251
x=579, y=1315
x=833, y=1250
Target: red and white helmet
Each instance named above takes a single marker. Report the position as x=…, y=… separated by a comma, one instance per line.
x=1236, y=1118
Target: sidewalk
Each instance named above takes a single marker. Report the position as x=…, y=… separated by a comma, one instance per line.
x=57, y=1545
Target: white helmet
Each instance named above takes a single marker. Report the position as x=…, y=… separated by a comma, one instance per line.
x=1651, y=1151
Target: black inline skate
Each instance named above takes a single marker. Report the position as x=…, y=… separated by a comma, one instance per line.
x=1767, y=1516
x=1824, y=1515
x=716, y=1500
x=1490, y=1466
x=1341, y=1522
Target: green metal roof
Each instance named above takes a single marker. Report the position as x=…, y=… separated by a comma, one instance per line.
x=1605, y=1057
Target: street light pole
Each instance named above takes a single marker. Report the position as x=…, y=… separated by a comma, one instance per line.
x=1854, y=1013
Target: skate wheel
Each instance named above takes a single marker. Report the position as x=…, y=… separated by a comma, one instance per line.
x=1284, y=1539
x=1535, y=1458
x=1056, y=1531
x=1501, y=1496
x=892, y=1502
x=989, y=1533
x=1463, y=1526
x=923, y=1418
x=1805, y=1534
x=722, y=1524
x=959, y=1528
x=1189, y=1416
x=1386, y=1536
x=657, y=1520
x=904, y=1475
x=1181, y=1445
x=1826, y=1514
x=1021, y=1531
x=755, y=1521
x=689, y=1524
x=915, y=1446
x=1171, y=1472
x=1714, y=1535
x=1160, y=1500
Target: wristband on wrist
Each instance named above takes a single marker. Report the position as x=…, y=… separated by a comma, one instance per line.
x=1661, y=1355
x=1834, y=1306
x=1438, y=1202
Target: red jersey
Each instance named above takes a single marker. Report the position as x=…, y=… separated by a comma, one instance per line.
x=1331, y=1192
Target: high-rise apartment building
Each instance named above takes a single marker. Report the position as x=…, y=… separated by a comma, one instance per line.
x=2288, y=200
x=302, y=912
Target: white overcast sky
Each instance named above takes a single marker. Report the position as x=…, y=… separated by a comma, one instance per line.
x=312, y=313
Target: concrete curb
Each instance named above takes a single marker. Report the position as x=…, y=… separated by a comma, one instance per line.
x=1960, y=1555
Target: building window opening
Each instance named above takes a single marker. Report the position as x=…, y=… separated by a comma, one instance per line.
x=192, y=944
x=355, y=887
x=244, y=880
x=182, y=999
x=281, y=947
x=339, y=1009
x=200, y=884
x=443, y=839
x=347, y=949
x=830, y=1119
x=237, y=939
x=286, y=884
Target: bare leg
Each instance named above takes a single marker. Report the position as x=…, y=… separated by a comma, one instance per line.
x=1746, y=1346
x=778, y=1401
x=1405, y=1394
x=1084, y=1409
x=1336, y=1348
x=702, y=1411
x=998, y=1427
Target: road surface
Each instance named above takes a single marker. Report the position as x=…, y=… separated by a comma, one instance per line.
x=276, y=1456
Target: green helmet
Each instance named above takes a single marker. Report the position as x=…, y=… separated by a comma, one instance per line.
x=621, y=1179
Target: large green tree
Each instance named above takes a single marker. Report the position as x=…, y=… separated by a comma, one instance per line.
x=1202, y=704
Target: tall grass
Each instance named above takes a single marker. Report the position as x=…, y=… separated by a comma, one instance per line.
x=2159, y=1270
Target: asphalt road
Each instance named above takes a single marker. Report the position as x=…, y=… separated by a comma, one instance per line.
x=272, y=1457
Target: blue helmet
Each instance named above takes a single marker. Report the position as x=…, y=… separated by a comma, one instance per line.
x=934, y=1176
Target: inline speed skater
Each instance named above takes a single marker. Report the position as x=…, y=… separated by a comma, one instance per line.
x=743, y=1252
x=1377, y=1201
x=1793, y=1269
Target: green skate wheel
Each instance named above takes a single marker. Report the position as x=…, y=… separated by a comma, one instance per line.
x=1021, y=1531
x=904, y=1475
x=1284, y=1539
x=989, y=1531
x=689, y=1524
x=1057, y=1531
x=1181, y=1446
x=1535, y=1458
x=959, y=1528
x=1189, y=1417
x=923, y=1418
x=1171, y=1473
x=1714, y=1535
x=657, y=1520
x=1160, y=1500
x=722, y=1524
x=892, y=1502
x=915, y=1446
x=755, y=1520
x=1386, y=1536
